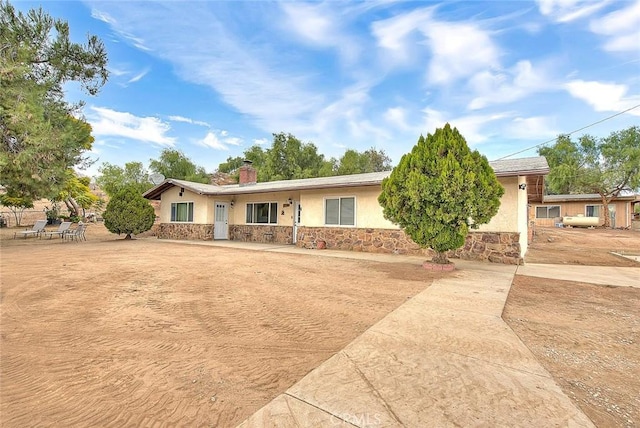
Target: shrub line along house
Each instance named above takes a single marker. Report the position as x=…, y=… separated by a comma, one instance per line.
x=340, y=212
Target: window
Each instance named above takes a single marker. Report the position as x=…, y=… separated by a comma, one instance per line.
x=182, y=211
x=262, y=213
x=592, y=210
x=340, y=211
x=551, y=211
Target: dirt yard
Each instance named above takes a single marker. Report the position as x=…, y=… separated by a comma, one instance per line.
x=141, y=333
x=587, y=336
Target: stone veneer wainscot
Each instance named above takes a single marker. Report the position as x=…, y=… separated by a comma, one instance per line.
x=191, y=231
x=261, y=233
x=497, y=247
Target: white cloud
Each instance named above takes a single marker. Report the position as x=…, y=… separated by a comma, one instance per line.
x=214, y=141
x=211, y=140
x=459, y=50
x=105, y=17
x=138, y=76
x=622, y=29
x=569, y=10
x=107, y=122
x=233, y=141
x=529, y=128
x=188, y=120
x=507, y=86
x=472, y=127
x=260, y=141
x=397, y=116
x=392, y=34
x=604, y=96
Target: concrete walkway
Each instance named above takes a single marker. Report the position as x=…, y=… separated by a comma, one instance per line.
x=444, y=358
x=603, y=275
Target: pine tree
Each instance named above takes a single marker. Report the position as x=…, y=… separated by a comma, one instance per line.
x=439, y=191
x=129, y=213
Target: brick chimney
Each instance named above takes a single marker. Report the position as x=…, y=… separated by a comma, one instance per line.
x=248, y=173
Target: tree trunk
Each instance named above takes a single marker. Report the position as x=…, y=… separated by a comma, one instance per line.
x=440, y=258
x=74, y=208
x=128, y=236
x=605, y=207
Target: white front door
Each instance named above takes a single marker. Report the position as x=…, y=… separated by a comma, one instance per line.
x=296, y=220
x=221, y=221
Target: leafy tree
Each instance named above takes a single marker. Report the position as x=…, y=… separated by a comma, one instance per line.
x=76, y=194
x=289, y=158
x=605, y=166
x=112, y=178
x=39, y=136
x=439, y=191
x=377, y=160
x=129, y=213
x=17, y=205
x=174, y=164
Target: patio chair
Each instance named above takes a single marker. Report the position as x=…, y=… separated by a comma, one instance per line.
x=62, y=230
x=36, y=230
x=77, y=233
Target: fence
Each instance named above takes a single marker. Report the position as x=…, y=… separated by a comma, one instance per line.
x=29, y=217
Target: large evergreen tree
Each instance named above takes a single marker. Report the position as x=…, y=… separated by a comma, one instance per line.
x=129, y=213
x=40, y=138
x=439, y=191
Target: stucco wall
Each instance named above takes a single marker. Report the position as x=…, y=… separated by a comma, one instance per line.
x=506, y=220
x=202, y=205
x=237, y=214
x=623, y=212
x=368, y=210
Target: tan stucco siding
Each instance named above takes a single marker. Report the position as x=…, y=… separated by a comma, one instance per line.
x=368, y=210
x=237, y=214
x=573, y=209
x=202, y=205
x=507, y=220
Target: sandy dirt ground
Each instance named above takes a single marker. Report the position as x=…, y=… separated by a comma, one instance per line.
x=137, y=333
x=587, y=336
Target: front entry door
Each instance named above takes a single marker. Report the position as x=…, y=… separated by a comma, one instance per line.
x=221, y=221
x=296, y=220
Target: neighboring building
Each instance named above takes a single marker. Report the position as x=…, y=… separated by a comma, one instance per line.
x=549, y=211
x=338, y=212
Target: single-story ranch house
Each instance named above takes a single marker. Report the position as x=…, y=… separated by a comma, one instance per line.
x=552, y=208
x=339, y=212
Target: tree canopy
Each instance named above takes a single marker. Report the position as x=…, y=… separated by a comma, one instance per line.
x=128, y=213
x=604, y=166
x=439, y=191
x=174, y=164
x=40, y=134
x=289, y=158
x=113, y=178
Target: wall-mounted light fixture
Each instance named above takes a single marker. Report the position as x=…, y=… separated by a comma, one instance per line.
x=181, y=191
x=289, y=201
x=522, y=186
x=232, y=203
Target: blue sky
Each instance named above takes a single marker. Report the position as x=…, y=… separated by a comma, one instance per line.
x=213, y=78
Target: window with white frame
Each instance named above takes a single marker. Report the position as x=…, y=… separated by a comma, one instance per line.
x=262, y=213
x=340, y=211
x=549, y=211
x=182, y=211
x=592, y=210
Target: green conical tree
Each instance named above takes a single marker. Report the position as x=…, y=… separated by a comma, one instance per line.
x=128, y=212
x=439, y=191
